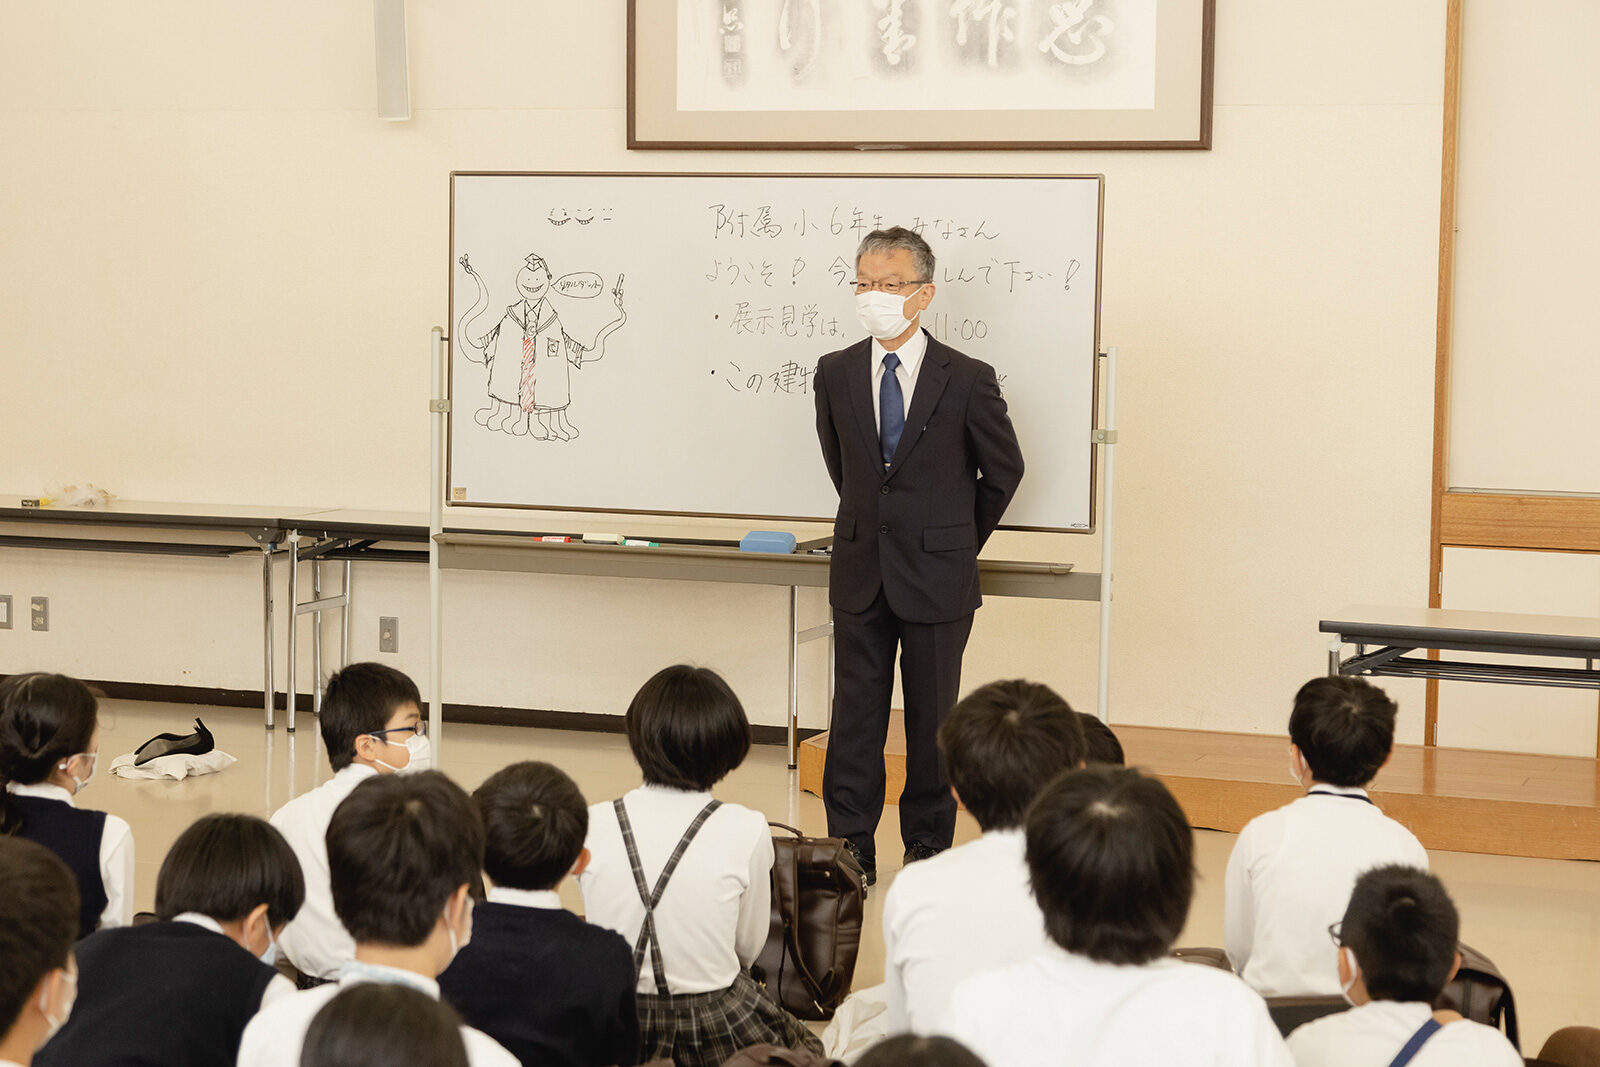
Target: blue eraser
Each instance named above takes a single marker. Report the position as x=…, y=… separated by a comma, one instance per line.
x=767, y=541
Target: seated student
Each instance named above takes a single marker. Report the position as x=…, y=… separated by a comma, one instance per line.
x=402, y=854
x=1397, y=951
x=384, y=1024
x=1104, y=748
x=553, y=989
x=686, y=879
x=49, y=747
x=38, y=924
x=1292, y=869
x=910, y=1051
x=969, y=909
x=1111, y=859
x=182, y=990
x=371, y=724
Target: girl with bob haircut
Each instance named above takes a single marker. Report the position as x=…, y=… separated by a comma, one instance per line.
x=49, y=747
x=375, y=1022
x=687, y=879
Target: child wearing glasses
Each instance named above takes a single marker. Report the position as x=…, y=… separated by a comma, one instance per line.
x=371, y=724
x=49, y=744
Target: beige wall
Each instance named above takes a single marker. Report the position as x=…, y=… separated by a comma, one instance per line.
x=219, y=270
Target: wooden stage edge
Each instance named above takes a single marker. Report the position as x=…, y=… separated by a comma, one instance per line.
x=1457, y=800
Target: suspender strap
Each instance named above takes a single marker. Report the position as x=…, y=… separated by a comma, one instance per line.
x=650, y=898
x=1418, y=1039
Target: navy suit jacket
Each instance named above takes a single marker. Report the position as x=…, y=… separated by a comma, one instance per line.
x=915, y=528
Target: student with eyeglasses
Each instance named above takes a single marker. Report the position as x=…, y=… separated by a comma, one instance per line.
x=49, y=747
x=371, y=724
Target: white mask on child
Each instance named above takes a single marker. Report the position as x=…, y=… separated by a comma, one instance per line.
x=457, y=944
x=1355, y=973
x=421, y=750
x=80, y=784
x=51, y=1021
x=269, y=956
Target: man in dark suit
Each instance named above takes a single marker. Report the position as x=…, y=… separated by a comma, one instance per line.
x=918, y=443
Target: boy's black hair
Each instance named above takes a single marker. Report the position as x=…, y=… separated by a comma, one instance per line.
x=686, y=728
x=225, y=865
x=38, y=921
x=1104, y=748
x=1404, y=930
x=1111, y=862
x=361, y=699
x=398, y=846
x=909, y=1050
x=44, y=719
x=1344, y=727
x=534, y=823
x=1003, y=743
x=375, y=1022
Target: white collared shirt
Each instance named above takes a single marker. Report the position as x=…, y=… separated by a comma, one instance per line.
x=1376, y=1031
x=116, y=853
x=316, y=941
x=275, y=1036
x=1290, y=878
x=910, y=354
x=717, y=910
x=1058, y=1008
x=276, y=989
x=525, y=898
x=962, y=912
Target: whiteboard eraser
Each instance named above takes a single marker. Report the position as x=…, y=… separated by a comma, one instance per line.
x=602, y=539
x=768, y=541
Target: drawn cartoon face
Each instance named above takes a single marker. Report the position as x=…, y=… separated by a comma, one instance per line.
x=533, y=279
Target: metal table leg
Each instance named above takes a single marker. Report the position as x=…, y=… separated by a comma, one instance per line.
x=344, y=631
x=794, y=676
x=316, y=640
x=293, y=539
x=266, y=639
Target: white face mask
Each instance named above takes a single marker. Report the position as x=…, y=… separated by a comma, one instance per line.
x=457, y=944
x=270, y=955
x=421, y=750
x=51, y=1021
x=80, y=784
x=882, y=314
x=1355, y=973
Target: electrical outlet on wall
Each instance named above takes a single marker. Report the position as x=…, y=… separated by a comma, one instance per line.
x=388, y=633
x=5, y=612
x=41, y=613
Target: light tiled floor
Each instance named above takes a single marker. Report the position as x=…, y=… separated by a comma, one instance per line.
x=1539, y=920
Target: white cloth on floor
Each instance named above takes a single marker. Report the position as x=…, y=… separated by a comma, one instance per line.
x=861, y=1022
x=175, y=768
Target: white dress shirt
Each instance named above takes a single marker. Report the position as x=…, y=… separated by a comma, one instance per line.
x=316, y=942
x=962, y=912
x=275, y=1036
x=1378, y=1030
x=116, y=853
x=276, y=989
x=1058, y=1008
x=526, y=898
x=910, y=354
x=717, y=910
x=1290, y=878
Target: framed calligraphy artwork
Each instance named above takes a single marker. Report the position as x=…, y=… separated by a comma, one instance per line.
x=920, y=74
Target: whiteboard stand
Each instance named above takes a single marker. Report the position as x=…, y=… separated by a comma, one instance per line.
x=438, y=410
x=1106, y=438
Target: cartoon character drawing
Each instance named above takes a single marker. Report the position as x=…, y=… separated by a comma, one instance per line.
x=529, y=353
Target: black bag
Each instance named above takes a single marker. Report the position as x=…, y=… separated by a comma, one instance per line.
x=1481, y=993
x=809, y=959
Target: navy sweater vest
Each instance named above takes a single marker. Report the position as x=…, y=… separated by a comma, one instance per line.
x=169, y=993
x=74, y=835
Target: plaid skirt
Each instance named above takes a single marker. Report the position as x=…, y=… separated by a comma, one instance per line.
x=705, y=1029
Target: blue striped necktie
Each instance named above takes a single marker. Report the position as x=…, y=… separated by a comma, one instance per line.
x=891, y=407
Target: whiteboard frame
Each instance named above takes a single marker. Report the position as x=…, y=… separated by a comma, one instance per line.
x=450, y=355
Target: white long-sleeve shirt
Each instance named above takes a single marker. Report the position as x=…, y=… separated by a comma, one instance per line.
x=316, y=942
x=1375, y=1032
x=960, y=913
x=1063, y=1010
x=1290, y=878
x=717, y=910
x=116, y=853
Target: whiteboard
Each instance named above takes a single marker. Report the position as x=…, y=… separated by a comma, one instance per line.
x=714, y=296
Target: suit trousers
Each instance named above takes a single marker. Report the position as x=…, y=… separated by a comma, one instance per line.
x=930, y=680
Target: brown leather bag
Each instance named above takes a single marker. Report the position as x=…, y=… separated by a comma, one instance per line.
x=1481, y=993
x=809, y=959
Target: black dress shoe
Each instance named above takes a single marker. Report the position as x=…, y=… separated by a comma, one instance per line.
x=196, y=744
x=868, y=864
x=918, y=851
